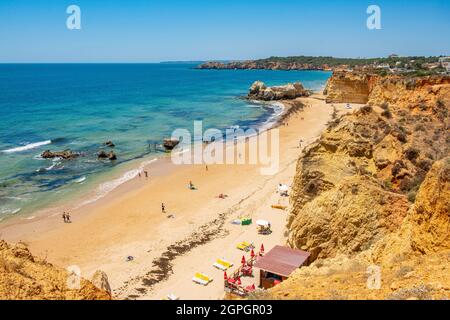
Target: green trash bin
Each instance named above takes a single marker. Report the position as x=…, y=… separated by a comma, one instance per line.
x=246, y=222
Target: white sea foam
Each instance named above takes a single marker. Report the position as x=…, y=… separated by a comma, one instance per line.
x=109, y=186
x=278, y=110
x=13, y=198
x=7, y=211
x=80, y=180
x=27, y=147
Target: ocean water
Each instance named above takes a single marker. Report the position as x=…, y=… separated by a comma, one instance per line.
x=81, y=106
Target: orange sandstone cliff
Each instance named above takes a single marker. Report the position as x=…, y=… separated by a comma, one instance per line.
x=25, y=277
x=373, y=193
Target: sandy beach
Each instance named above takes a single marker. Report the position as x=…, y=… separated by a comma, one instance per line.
x=167, y=252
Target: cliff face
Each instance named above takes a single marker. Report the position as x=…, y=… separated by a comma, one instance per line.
x=25, y=277
x=349, y=87
x=262, y=65
x=374, y=190
x=414, y=261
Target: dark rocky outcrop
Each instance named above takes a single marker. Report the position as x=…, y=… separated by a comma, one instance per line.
x=170, y=144
x=102, y=155
x=110, y=144
x=66, y=154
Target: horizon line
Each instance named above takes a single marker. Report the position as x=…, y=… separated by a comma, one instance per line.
x=204, y=60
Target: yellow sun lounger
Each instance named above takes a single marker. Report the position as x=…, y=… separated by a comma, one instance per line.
x=202, y=279
x=244, y=246
x=222, y=264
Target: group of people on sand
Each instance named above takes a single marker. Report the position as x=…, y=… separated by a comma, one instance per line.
x=66, y=217
x=145, y=174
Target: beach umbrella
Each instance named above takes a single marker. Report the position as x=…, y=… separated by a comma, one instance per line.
x=253, y=287
x=252, y=254
x=225, y=276
x=238, y=281
x=243, y=261
x=262, y=248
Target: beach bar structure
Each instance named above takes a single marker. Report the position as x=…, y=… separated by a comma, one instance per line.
x=278, y=264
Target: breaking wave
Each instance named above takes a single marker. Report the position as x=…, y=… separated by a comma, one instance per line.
x=27, y=147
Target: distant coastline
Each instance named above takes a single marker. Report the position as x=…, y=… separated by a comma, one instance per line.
x=394, y=64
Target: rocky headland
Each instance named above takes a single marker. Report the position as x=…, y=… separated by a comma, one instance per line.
x=418, y=66
x=261, y=65
x=259, y=91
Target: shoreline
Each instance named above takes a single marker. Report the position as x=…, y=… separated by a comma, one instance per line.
x=121, y=175
x=128, y=221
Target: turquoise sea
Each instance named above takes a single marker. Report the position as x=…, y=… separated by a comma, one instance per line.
x=81, y=106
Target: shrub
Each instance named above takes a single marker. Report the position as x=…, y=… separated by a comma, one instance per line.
x=425, y=164
x=366, y=109
x=387, y=184
x=398, y=166
x=387, y=114
x=401, y=136
x=419, y=127
x=403, y=271
x=440, y=103
x=421, y=292
x=411, y=154
x=423, y=107
x=412, y=196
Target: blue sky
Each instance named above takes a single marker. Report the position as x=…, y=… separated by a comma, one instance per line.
x=154, y=30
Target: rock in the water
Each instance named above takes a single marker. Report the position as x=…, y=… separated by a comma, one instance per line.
x=66, y=154
x=110, y=144
x=257, y=87
x=170, y=144
x=104, y=155
x=112, y=156
x=100, y=280
x=260, y=91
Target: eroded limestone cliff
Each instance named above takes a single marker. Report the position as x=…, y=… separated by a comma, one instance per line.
x=349, y=87
x=374, y=190
x=25, y=277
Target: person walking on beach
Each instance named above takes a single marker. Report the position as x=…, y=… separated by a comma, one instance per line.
x=64, y=217
x=146, y=174
x=163, y=208
x=140, y=176
x=68, y=218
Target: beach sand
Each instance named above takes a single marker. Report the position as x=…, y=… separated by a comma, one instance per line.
x=167, y=252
